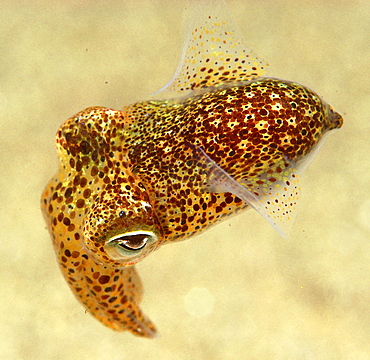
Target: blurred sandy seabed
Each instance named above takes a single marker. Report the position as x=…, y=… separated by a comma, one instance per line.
x=239, y=290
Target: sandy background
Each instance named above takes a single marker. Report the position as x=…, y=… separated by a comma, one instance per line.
x=257, y=295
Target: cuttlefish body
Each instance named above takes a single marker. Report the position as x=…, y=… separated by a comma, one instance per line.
x=224, y=138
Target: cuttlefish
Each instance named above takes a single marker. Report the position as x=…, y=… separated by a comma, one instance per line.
x=220, y=137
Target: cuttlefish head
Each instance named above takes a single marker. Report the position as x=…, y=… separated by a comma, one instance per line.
x=121, y=234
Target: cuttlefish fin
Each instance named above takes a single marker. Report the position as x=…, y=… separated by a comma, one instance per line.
x=273, y=193
x=214, y=52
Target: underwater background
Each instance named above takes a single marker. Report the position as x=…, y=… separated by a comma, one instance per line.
x=238, y=290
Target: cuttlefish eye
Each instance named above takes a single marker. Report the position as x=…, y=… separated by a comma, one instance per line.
x=129, y=245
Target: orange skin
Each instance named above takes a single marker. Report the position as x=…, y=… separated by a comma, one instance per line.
x=132, y=180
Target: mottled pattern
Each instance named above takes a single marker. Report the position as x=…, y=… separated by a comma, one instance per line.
x=161, y=171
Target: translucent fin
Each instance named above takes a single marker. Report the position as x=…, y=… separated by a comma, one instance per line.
x=214, y=52
x=274, y=194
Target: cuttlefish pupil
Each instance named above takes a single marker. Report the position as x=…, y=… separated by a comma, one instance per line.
x=223, y=138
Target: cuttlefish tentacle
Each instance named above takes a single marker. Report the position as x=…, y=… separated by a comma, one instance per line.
x=95, y=198
x=117, y=292
x=223, y=140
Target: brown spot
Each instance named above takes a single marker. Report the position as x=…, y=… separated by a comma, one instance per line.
x=87, y=193
x=83, y=182
x=96, y=275
x=104, y=279
x=68, y=192
x=79, y=165
x=94, y=171
x=80, y=203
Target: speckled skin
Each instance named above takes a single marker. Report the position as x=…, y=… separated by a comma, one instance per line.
x=148, y=169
